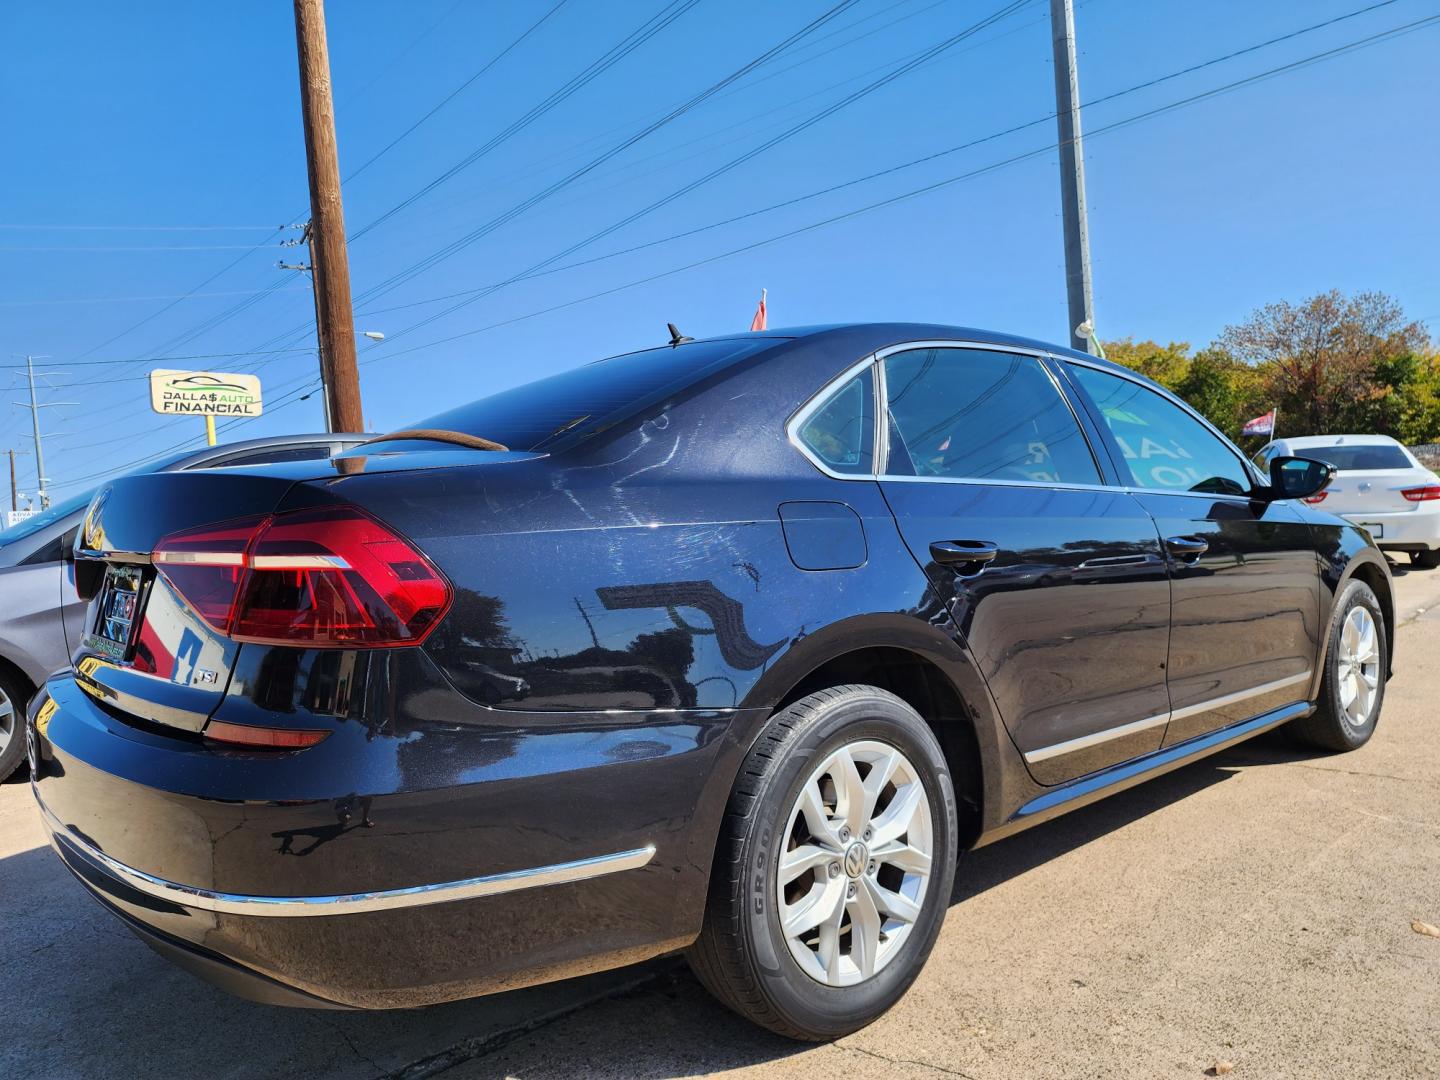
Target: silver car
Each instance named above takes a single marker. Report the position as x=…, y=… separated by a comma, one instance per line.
x=40, y=613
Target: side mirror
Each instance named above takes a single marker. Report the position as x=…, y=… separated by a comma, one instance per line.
x=1298, y=477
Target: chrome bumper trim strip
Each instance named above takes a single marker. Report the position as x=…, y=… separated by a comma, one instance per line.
x=1045, y=753
x=354, y=903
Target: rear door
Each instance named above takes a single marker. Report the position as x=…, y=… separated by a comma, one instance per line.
x=1245, y=575
x=1065, y=602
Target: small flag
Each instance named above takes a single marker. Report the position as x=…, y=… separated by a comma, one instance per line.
x=758, y=322
x=1261, y=425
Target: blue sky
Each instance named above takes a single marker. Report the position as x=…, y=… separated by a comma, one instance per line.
x=165, y=138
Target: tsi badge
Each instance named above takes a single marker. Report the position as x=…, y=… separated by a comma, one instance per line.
x=205, y=675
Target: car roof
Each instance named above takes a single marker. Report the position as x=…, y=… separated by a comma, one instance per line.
x=881, y=334
x=1300, y=441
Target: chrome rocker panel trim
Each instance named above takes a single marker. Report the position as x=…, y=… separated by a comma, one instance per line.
x=1097, y=785
x=1084, y=742
x=353, y=903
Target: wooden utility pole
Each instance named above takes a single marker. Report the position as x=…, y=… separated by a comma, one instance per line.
x=1072, y=177
x=335, y=323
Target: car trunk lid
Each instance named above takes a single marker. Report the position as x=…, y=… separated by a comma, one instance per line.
x=142, y=648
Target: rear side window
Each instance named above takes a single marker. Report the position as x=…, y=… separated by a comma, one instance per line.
x=841, y=432
x=588, y=399
x=1163, y=446
x=1359, y=456
x=317, y=452
x=980, y=415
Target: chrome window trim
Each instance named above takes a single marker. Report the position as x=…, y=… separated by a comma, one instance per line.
x=1155, y=388
x=814, y=404
x=881, y=436
x=1084, y=742
x=353, y=903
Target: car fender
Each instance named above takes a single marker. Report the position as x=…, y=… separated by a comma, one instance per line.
x=1336, y=578
x=934, y=640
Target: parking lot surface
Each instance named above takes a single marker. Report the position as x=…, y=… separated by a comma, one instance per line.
x=1255, y=908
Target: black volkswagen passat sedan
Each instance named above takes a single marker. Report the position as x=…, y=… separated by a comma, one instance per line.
x=728, y=647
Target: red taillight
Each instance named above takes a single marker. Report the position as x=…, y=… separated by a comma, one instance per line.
x=1422, y=494
x=1318, y=497
x=271, y=738
x=325, y=578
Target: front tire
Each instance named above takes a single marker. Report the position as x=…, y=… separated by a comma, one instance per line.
x=13, y=698
x=1353, y=687
x=834, y=866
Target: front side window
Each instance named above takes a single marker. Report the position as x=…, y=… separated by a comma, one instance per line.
x=979, y=415
x=1163, y=446
x=841, y=432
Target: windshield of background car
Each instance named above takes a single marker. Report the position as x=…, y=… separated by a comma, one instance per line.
x=1358, y=456
x=586, y=400
x=32, y=525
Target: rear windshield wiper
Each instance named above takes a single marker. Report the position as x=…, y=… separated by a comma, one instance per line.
x=459, y=438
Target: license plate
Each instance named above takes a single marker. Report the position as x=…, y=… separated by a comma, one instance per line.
x=1374, y=528
x=119, y=606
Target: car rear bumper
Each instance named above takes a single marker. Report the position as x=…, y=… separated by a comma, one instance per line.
x=354, y=900
x=1406, y=530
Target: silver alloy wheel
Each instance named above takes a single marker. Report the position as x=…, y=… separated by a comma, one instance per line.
x=855, y=864
x=9, y=723
x=1358, y=671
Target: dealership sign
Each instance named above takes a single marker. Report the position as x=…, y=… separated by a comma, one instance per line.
x=204, y=393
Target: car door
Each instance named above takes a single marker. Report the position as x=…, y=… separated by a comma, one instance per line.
x=1245, y=575
x=1056, y=582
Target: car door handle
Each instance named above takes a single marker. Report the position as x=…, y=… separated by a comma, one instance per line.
x=959, y=552
x=1186, y=547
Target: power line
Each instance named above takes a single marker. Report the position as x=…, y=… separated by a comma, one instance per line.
x=91, y=249
x=889, y=170
x=1048, y=148
x=524, y=205
x=131, y=299
x=790, y=132
x=455, y=93
x=637, y=37
x=156, y=314
x=647, y=30
x=138, y=228
x=947, y=182
x=653, y=26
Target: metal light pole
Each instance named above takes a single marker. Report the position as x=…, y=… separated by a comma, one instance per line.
x=1072, y=179
x=34, y=405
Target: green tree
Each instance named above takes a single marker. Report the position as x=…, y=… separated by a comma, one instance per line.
x=1323, y=360
x=1165, y=364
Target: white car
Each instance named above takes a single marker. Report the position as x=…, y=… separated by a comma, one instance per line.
x=1378, y=485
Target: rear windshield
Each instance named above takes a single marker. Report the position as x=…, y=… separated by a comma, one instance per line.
x=1359, y=456
x=588, y=399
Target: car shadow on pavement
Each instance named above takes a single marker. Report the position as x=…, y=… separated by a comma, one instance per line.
x=98, y=1003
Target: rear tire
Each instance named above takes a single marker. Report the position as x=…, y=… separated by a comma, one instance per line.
x=14, y=696
x=878, y=913
x=1426, y=560
x=1352, y=688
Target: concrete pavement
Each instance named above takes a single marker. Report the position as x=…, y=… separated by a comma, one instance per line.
x=1254, y=908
